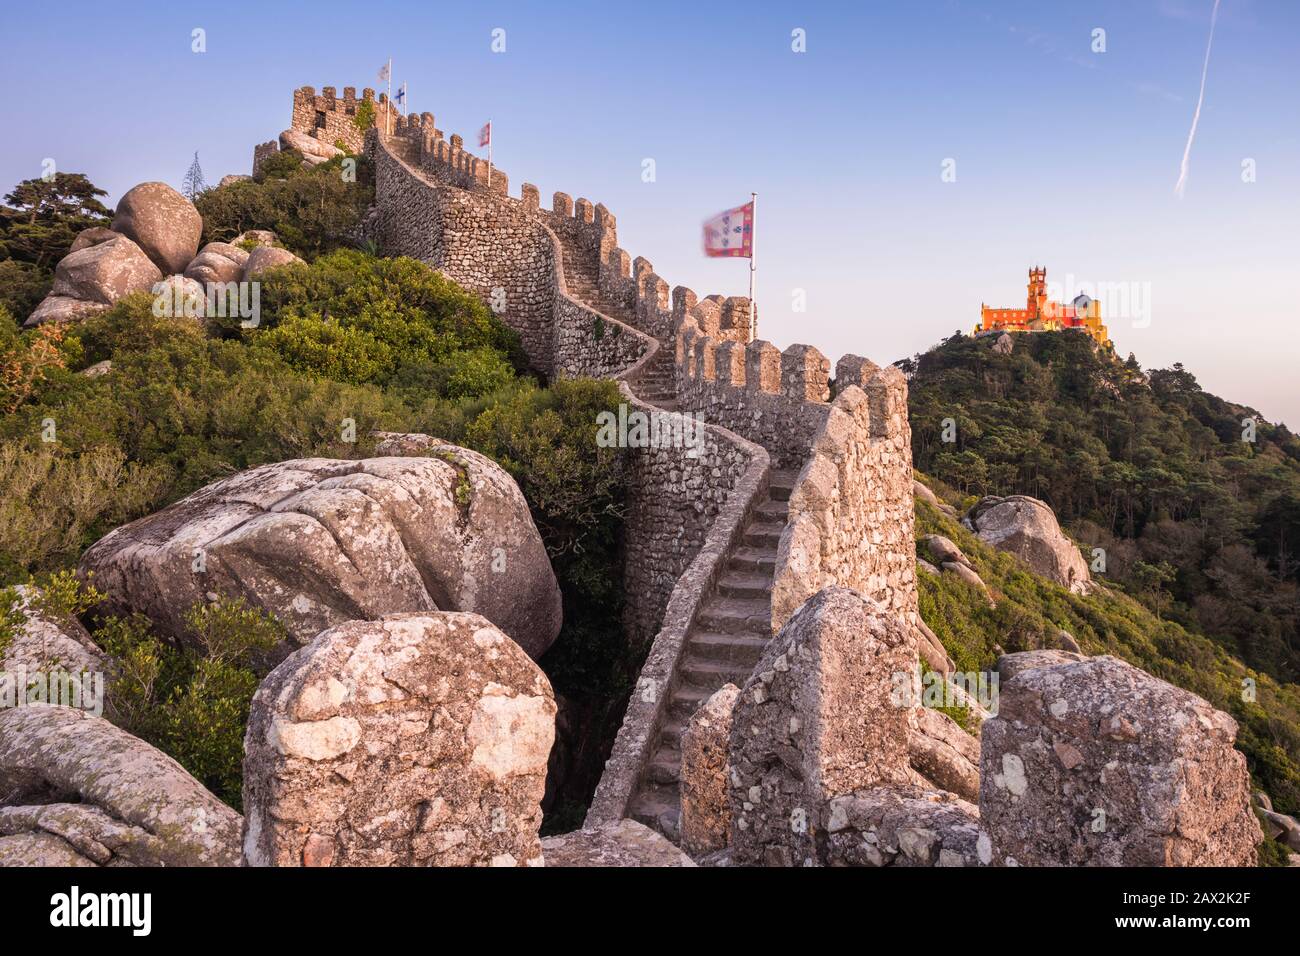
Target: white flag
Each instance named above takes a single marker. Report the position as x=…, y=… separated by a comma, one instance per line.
x=383, y=72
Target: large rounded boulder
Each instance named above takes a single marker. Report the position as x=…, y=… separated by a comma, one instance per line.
x=162, y=222
x=415, y=740
x=104, y=271
x=318, y=542
x=1027, y=528
x=77, y=791
x=217, y=262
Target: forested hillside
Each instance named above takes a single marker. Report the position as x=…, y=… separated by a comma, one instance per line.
x=1193, y=500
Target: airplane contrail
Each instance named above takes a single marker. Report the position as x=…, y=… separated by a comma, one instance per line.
x=1196, y=117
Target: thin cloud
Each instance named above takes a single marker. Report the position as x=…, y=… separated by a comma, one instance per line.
x=1196, y=116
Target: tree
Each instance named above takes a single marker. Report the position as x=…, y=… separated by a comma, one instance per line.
x=194, y=181
x=43, y=216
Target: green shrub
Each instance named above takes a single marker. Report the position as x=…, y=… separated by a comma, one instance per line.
x=22, y=287
x=192, y=704
x=355, y=318
x=311, y=210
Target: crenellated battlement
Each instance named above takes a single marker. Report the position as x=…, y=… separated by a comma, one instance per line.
x=585, y=306
x=331, y=118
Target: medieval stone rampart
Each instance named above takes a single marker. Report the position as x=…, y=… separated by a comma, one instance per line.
x=851, y=512
x=555, y=275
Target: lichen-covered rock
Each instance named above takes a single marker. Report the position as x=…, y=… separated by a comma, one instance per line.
x=943, y=549
x=254, y=238
x=61, y=308
x=162, y=222
x=1010, y=665
x=179, y=297
x=706, y=810
x=820, y=717
x=267, y=257
x=318, y=542
x=624, y=843
x=414, y=740
x=944, y=754
x=91, y=237
x=42, y=643
x=931, y=648
x=900, y=826
x=313, y=150
x=104, y=272
x=109, y=797
x=404, y=443
x=217, y=262
x=1027, y=528
x=1094, y=762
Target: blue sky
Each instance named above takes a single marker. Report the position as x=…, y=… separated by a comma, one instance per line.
x=1063, y=156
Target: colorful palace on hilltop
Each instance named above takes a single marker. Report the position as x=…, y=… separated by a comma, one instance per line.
x=1042, y=315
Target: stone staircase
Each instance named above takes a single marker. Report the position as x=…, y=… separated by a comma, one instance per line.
x=733, y=626
x=734, y=623
x=658, y=384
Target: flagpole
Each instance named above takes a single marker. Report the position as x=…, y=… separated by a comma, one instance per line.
x=489, y=152
x=753, y=269
x=388, y=113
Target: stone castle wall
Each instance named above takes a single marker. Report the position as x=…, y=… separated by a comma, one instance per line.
x=485, y=241
x=764, y=408
x=851, y=510
x=331, y=118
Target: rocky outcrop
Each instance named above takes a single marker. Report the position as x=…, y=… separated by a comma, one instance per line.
x=91, y=237
x=161, y=222
x=313, y=150
x=217, y=262
x=943, y=550
x=414, y=740
x=706, y=810
x=76, y=790
x=1094, y=762
x=43, y=643
x=944, y=754
x=892, y=826
x=267, y=257
x=179, y=297
x=624, y=843
x=318, y=542
x=61, y=308
x=931, y=649
x=404, y=443
x=251, y=238
x=818, y=719
x=1027, y=528
x=94, y=277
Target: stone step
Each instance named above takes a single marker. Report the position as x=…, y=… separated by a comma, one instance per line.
x=686, y=701
x=731, y=615
x=670, y=734
x=712, y=674
x=764, y=533
x=736, y=650
x=771, y=510
x=751, y=585
x=753, y=559
x=665, y=767
x=656, y=807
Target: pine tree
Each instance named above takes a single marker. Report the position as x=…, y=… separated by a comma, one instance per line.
x=194, y=182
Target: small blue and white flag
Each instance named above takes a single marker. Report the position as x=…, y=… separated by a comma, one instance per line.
x=400, y=98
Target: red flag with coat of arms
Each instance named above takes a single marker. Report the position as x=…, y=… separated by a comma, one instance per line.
x=485, y=134
x=731, y=233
